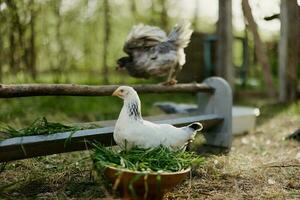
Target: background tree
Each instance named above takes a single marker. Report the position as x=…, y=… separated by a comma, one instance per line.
x=260, y=50
x=225, y=39
x=32, y=58
x=106, y=39
x=289, y=50
x=164, y=14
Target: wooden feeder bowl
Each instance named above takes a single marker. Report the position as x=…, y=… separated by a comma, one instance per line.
x=143, y=185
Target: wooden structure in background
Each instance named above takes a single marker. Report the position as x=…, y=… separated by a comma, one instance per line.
x=289, y=50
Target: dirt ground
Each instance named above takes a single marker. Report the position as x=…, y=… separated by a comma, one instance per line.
x=261, y=165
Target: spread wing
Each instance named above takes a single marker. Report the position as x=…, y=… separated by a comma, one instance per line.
x=143, y=36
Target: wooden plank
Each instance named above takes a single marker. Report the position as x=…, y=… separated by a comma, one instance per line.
x=32, y=146
x=26, y=90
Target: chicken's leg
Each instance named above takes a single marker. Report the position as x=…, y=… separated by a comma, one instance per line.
x=171, y=80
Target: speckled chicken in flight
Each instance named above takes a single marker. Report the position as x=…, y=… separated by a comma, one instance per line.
x=151, y=53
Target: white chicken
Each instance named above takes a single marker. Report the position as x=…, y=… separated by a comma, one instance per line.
x=132, y=131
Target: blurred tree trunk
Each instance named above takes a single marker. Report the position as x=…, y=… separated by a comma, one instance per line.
x=61, y=59
x=12, y=51
x=22, y=51
x=224, y=46
x=260, y=50
x=32, y=63
x=1, y=53
x=164, y=14
x=289, y=50
x=107, y=26
x=19, y=57
x=12, y=38
x=86, y=30
x=196, y=15
x=2, y=33
x=153, y=12
x=133, y=10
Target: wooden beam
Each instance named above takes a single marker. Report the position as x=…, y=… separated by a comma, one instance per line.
x=26, y=90
x=32, y=146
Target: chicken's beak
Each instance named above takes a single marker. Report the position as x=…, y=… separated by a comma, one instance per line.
x=116, y=93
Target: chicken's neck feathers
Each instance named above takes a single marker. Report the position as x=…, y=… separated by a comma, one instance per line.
x=132, y=108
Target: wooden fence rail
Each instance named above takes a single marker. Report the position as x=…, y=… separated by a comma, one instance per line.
x=26, y=90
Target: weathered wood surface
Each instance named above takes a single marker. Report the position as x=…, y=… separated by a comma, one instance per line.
x=26, y=90
x=32, y=146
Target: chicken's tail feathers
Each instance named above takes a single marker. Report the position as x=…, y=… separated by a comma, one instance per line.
x=181, y=35
x=196, y=126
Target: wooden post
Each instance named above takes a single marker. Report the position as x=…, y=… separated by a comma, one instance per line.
x=224, y=49
x=289, y=50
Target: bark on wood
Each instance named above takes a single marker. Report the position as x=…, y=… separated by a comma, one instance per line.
x=25, y=90
x=107, y=26
x=289, y=50
x=260, y=50
x=225, y=38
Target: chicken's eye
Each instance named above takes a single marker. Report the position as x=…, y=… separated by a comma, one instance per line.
x=122, y=91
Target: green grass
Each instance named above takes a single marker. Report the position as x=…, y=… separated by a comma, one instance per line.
x=19, y=112
x=159, y=159
x=40, y=126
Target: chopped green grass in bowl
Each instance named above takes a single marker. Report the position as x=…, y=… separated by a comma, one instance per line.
x=159, y=159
